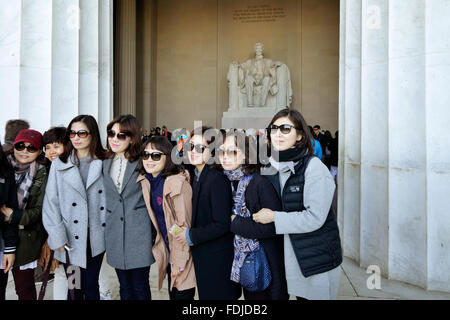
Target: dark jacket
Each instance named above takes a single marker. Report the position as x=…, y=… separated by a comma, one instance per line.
x=8, y=197
x=261, y=194
x=33, y=234
x=318, y=251
x=213, y=249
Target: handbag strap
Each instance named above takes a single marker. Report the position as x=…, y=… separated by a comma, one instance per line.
x=68, y=275
x=47, y=273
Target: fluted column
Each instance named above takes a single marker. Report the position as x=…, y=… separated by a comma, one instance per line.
x=56, y=58
x=394, y=162
x=125, y=59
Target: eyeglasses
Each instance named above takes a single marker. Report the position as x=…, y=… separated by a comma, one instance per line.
x=199, y=148
x=121, y=135
x=21, y=146
x=82, y=134
x=156, y=156
x=230, y=152
x=284, y=128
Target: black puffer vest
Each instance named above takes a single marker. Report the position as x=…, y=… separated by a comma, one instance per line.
x=318, y=251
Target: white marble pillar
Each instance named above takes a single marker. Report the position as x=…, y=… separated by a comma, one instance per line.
x=394, y=162
x=56, y=59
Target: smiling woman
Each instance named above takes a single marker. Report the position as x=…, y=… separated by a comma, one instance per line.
x=127, y=226
x=31, y=178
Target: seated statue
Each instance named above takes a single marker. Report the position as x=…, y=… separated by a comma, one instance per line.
x=259, y=82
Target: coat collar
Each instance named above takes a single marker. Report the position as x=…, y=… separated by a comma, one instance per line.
x=172, y=185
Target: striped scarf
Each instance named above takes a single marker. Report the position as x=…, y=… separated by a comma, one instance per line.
x=24, y=179
x=242, y=246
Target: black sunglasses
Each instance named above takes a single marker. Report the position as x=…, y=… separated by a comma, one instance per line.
x=82, y=134
x=199, y=148
x=156, y=156
x=284, y=128
x=21, y=146
x=121, y=135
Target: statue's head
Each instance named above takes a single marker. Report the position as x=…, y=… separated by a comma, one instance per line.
x=259, y=48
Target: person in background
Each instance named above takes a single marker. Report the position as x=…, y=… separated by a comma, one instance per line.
x=12, y=129
x=209, y=235
x=319, y=136
x=251, y=193
x=312, y=246
x=30, y=172
x=157, y=131
x=168, y=196
x=53, y=140
x=334, y=159
x=8, y=234
x=316, y=145
x=128, y=231
x=328, y=139
x=166, y=133
x=74, y=205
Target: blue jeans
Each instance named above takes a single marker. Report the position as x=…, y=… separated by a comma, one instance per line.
x=134, y=284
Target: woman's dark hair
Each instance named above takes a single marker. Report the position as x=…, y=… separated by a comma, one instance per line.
x=131, y=127
x=95, y=148
x=162, y=144
x=249, y=148
x=300, y=124
x=6, y=171
x=54, y=134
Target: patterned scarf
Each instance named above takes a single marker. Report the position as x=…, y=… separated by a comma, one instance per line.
x=24, y=178
x=242, y=246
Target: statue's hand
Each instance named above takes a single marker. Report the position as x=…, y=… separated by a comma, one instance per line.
x=235, y=64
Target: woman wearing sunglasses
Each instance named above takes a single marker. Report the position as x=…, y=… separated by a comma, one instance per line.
x=251, y=193
x=168, y=196
x=209, y=236
x=312, y=245
x=74, y=205
x=30, y=172
x=128, y=230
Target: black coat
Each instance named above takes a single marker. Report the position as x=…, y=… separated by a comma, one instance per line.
x=8, y=197
x=260, y=194
x=213, y=249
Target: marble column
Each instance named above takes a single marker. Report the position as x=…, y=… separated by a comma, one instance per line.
x=56, y=59
x=125, y=59
x=394, y=170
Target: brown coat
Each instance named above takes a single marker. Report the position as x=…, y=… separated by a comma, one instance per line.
x=177, y=206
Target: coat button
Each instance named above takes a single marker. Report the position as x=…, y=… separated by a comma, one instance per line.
x=76, y=221
x=74, y=204
x=76, y=237
x=103, y=224
x=121, y=219
x=100, y=191
x=120, y=200
x=102, y=208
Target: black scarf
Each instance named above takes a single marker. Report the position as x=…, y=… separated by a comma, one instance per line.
x=293, y=154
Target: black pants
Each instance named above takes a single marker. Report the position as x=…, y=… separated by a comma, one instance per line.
x=175, y=294
x=134, y=284
x=90, y=289
x=3, y=284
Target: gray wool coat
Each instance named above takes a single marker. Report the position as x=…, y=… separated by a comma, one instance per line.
x=69, y=206
x=128, y=232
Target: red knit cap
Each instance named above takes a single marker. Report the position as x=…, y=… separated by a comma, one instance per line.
x=32, y=136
